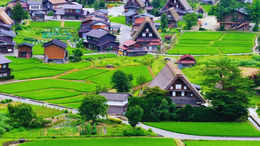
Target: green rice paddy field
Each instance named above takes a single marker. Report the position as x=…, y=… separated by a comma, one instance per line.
x=104, y=142
x=222, y=143
x=239, y=129
x=213, y=43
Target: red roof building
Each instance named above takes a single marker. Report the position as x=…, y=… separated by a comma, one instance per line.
x=186, y=61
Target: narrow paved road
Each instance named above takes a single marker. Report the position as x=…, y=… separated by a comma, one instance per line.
x=160, y=132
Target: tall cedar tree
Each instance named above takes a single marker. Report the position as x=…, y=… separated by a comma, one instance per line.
x=254, y=13
x=227, y=89
x=92, y=107
x=134, y=115
x=164, y=22
x=18, y=13
x=121, y=81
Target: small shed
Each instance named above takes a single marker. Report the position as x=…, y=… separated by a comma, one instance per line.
x=186, y=61
x=117, y=102
x=55, y=51
x=25, y=50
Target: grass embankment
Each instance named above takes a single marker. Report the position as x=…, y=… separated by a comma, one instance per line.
x=104, y=142
x=118, y=19
x=222, y=143
x=239, y=129
x=213, y=43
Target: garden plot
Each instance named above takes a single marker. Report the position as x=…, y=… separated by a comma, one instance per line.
x=212, y=43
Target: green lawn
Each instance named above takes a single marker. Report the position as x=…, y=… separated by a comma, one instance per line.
x=119, y=19
x=239, y=129
x=4, y=2
x=212, y=43
x=36, y=85
x=84, y=74
x=104, y=142
x=222, y=143
x=2, y=141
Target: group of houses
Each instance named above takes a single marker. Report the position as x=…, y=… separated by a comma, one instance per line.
x=97, y=32
x=39, y=10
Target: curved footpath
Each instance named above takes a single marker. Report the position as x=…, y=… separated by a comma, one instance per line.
x=160, y=132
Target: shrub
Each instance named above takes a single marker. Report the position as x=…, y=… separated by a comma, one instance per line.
x=6, y=101
x=134, y=132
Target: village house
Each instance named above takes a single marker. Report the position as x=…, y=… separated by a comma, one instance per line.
x=101, y=40
x=180, y=89
x=25, y=50
x=173, y=17
x=117, y=102
x=6, y=33
x=139, y=20
x=182, y=7
x=147, y=36
x=129, y=16
x=134, y=5
x=93, y=22
x=130, y=48
x=236, y=20
x=5, y=71
x=186, y=61
x=55, y=51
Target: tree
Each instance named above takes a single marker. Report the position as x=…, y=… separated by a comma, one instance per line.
x=121, y=81
x=134, y=115
x=227, y=89
x=18, y=13
x=254, y=13
x=164, y=22
x=93, y=107
x=76, y=57
x=190, y=20
x=164, y=110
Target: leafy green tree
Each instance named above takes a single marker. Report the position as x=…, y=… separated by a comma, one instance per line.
x=121, y=81
x=18, y=13
x=76, y=57
x=227, y=89
x=93, y=107
x=190, y=20
x=164, y=110
x=134, y=115
x=254, y=13
x=164, y=22
x=156, y=4
x=141, y=80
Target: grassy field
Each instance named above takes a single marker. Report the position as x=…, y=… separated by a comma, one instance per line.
x=222, y=143
x=4, y=2
x=104, y=142
x=239, y=129
x=119, y=19
x=211, y=43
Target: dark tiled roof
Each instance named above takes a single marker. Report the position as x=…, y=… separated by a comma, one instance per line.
x=97, y=33
x=9, y=33
x=26, y=44
x=116, y=96
x=56, y=43
x=130, y=13
x=4, y=60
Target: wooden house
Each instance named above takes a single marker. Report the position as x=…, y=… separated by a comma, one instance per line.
x=130, y=48
x=117, y=102
x=101, y=40
x=147, y=36
x=186, y=61
x=25, y=50
x=6, y=34
x=5, y=71
x=178, y=87
x=134, y=5
x=182, y=7
x=173, y=17
x=236, y=20
x=55, y=51
x=129, y=16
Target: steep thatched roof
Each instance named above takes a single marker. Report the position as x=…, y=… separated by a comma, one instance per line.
x=168, y=75
x=142, y=27
x=174, y=14
x=5, y=18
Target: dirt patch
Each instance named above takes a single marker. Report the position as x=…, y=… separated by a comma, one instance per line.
x=249, y=71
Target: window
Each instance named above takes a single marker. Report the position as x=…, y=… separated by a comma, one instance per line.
x=147, y=30
x=150, y=35
x=191, y=94
x=173, y=93
x=143, y=34
x=4, y=66
x=178, y=86
x=182, y=93
x=5, y=74
x=1, y=75
x=185, y=87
